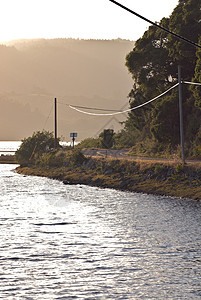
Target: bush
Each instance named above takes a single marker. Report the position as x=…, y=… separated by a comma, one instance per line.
x=196, y=146
x=158, y=169
x=179, y=168
x=51, y=159
x=89, y=143
x=77, y=158
x=124, y=139
x=34, y=146
x=107, y=138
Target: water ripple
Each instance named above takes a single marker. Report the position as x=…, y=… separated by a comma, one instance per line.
x=78, y=242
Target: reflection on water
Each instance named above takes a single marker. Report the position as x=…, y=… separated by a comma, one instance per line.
x=79, y=242
x=9, y=147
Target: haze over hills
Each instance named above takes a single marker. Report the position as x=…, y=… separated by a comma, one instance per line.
x=79, y=72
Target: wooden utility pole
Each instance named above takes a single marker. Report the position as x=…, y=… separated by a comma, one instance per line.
x=181, y=116
x=55, y=123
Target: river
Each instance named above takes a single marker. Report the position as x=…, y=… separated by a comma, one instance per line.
x=80, y=242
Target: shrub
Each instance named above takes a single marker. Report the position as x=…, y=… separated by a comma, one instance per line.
x=159, y=169
x=89, y=143
x=179, y=168
x=77, y=158
x=107, y=138
x=51, y=159
x=34, y=146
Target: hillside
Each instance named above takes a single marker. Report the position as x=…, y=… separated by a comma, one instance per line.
x=79, y=72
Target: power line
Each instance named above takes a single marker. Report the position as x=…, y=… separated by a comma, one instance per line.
x=62, y=103
x=111, y=119
x=194, y=83
x=155, y=24
x=48, y=117
x=93, y=108
x=127, y=110
x=77, y=108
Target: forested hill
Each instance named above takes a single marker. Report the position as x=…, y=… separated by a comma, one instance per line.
x=80, y=72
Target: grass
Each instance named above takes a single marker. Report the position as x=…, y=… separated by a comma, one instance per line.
x=167, y=178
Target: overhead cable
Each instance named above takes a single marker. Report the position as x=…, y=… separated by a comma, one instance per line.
x=94, y=108
x=155, y=24
x=194, y=83
x=48, y=117
x=125, y=111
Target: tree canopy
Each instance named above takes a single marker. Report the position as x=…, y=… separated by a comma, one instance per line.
x=153, y=64
x=107, y=138
x=36, y=145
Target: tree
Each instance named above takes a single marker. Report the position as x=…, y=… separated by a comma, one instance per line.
x=124, y=139
x=150, y=67
x=107, y=138
x=185, y=21
x=165, y=121
x=153, y=64
x=197, y=78
x=36, y=145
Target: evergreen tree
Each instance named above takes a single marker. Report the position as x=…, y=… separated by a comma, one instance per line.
x=153, y=64
x=107, y=138
x=197, y=90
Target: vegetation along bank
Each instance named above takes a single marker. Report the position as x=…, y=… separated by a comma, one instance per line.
x=37, y=156
x=170, y=179
x=145, y=177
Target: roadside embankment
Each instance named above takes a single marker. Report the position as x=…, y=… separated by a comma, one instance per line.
x=170, y=179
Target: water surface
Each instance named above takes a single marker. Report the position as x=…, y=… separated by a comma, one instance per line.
x=79, y=242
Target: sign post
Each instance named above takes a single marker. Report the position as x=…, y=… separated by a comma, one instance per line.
x=73, y=135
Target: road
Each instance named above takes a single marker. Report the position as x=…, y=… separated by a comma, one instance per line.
x=122, y=153
x=106, y=153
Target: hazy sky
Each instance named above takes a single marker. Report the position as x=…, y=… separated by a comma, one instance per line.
x=85, y=19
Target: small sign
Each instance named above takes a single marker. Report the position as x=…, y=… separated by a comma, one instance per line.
x=73, y=134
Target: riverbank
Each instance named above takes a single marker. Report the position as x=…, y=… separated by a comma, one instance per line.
x=169, y=179
x=7, y=159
